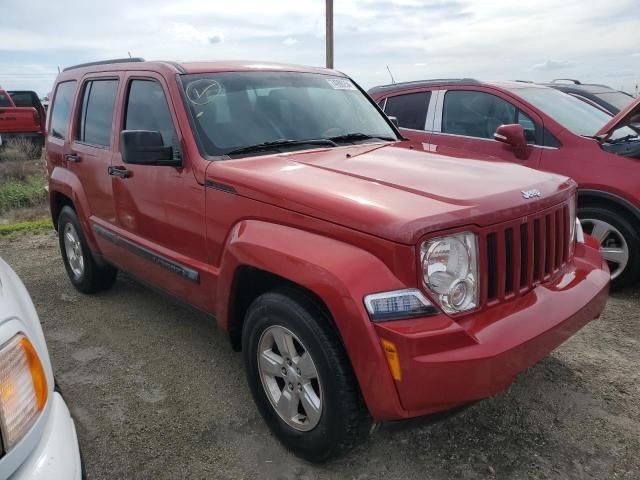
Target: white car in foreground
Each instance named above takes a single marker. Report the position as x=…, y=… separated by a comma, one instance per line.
x=38, y=437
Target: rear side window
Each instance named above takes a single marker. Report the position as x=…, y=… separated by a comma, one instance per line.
x=61, y=110
x=95, y=119
x=147, y=109
x=409, y=109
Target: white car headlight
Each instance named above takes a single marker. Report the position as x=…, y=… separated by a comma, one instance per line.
x=450, y=271
x=23, y=389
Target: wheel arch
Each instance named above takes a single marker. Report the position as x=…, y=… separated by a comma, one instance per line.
x=591, y=198
x=260, y=256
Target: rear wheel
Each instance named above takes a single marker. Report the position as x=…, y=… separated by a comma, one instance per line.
x=619, y=243
x=85, y=274
x=301, y=378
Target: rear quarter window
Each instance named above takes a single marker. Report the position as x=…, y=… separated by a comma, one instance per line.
x=61, y=110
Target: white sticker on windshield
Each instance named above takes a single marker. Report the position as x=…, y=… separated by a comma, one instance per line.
x=341, y=84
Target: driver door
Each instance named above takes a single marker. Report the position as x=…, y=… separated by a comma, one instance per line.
x=467, y=119
x=159, y=209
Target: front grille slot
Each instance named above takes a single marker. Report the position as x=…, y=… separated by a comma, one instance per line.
x=522, y=254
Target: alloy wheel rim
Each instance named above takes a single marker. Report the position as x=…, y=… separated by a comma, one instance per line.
x=73, y=249
x=290, y=378
x=613, y=246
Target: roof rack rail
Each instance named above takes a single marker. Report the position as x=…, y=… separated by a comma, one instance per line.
x=424, y=83
x=524, y=81
x=572, y=80
x=105, y=62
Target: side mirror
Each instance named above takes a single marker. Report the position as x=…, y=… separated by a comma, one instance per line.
x=513, y=135
x=394, y=120
x=144, y=147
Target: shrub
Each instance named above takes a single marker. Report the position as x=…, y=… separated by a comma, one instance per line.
x=20, y=150
x=19, y=194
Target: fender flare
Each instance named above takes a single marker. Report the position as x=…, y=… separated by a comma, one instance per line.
x=339, y=274
x=67, y=183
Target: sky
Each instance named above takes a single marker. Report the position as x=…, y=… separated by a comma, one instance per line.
x=591, y=40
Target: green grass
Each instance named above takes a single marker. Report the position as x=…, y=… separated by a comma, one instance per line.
x=32, y=226
x=16, y=193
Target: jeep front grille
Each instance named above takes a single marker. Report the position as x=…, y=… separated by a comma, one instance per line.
x=520, y=254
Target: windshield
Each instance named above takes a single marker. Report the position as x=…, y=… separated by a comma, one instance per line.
x=620, y=100
x=573, y=114
x=234, y=110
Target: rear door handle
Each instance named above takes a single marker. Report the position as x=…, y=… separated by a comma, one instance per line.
x=72, y=157
x=118, y=171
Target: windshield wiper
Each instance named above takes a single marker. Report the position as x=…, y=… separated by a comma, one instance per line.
x=359, y=136
x=622, y=139
x=276, y=144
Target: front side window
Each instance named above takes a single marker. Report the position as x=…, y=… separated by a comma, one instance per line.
x=147, y=109
x=96, y=114
x=234, y=110
x=475, y=114
x=61, y=110
x=410, y=109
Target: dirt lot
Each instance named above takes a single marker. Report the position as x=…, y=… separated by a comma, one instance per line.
x=157, y=393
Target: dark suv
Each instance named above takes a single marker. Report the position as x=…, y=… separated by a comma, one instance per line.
x=601, y=96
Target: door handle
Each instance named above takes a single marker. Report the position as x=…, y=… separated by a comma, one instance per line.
x=72, y=157
x=119, y=171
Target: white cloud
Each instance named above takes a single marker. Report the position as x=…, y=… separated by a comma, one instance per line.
x=549, y=65
x=444, y=38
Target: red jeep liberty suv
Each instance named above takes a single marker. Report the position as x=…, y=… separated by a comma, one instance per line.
x=363, y=282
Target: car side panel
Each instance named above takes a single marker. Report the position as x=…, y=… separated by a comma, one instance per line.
x=339, y=274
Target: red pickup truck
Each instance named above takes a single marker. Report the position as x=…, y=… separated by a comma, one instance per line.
x=363, y=282
x=22, y=116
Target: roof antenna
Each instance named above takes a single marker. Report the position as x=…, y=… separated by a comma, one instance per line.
x=393, y=80
x=129, y=54
x=58, y=68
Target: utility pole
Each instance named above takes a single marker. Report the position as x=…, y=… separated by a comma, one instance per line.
x=329, y=33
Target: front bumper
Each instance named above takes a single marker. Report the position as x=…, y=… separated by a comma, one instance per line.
x=57, y=455
x=445, y=363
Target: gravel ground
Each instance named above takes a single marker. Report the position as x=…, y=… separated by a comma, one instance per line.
x=157, y=392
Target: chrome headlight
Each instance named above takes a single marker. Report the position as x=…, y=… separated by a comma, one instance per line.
x=450, y=271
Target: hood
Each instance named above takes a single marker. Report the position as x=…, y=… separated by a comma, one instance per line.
x=392, y=192
x=623, y=118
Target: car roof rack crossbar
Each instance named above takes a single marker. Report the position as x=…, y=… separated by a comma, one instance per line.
x=105, y=62
x=572, y=80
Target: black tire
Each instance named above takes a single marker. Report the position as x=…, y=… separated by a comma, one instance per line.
x=344, y=421
x=631, y=273
x=94, y=278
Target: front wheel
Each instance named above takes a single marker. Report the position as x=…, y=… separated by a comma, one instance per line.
x=619, y=243
x=300, y=377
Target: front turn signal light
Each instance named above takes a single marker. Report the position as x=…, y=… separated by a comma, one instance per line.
x=391, y=352
x=23, y=389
